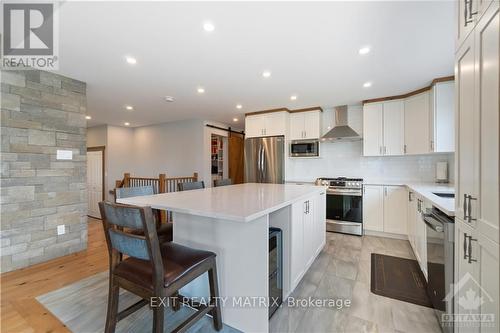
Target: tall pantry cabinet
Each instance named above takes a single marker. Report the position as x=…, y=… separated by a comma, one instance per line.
x=477, y=74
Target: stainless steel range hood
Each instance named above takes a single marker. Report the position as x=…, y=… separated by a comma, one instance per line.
x=341, y=129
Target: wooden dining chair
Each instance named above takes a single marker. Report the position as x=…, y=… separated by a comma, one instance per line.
x=152, y=269
x=223, y=182
x=164, y=230
x=190, y=186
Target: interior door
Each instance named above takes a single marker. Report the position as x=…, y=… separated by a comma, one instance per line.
x=94, y=182
x=236, y=158
x=465, y=125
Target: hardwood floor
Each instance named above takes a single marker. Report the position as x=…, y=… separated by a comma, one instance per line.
x=21, y=312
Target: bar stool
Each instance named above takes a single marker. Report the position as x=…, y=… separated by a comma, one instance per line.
x=187, y=186
x=223, y=182
x=152, y=269
x=164, y=230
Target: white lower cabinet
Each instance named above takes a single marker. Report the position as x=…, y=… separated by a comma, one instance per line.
x=421, y=236
x=395, y=209
x=476, y=278
x=373, y=207
x=412, y=219
x=385, y=209
x=308, y=232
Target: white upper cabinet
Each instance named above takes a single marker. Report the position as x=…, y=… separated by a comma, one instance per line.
x=417, y=120
x=393, y=128
x=373, y=129
x=442, y=110
x=395, y=209
x=305, y=125
x=383, y=128
x=266, y=124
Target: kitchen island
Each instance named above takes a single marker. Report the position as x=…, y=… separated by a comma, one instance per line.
x=234, y=221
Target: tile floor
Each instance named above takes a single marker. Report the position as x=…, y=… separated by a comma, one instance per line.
x=342, y=270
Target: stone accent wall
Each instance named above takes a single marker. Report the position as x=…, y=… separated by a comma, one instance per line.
x=41, y=112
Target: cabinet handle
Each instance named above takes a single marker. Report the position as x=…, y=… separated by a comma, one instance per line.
x=385, y=150
x=465, y=207
x=409, y=197
x=469, y=208
x=465, y=245
x=385, y=191
x=470, y=249
x=404, y=149
x=380, y=150
x=432, y=145
x=468, y=12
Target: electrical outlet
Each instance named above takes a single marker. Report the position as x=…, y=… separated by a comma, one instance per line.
x=61, y=229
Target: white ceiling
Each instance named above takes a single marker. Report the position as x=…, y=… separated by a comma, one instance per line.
x=310, y=48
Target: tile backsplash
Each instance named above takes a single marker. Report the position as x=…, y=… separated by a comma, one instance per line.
x=346, y=159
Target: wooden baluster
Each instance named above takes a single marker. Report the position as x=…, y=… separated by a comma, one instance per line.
x=126, y=179
x=195, y=176
x=161, y=189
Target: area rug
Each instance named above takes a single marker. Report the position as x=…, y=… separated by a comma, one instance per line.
x=82, y=305
x=398, y=278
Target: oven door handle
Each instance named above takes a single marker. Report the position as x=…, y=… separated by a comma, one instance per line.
x=353, y=193
x=344, y=222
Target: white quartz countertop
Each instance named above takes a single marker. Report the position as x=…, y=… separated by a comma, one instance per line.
x=426, y=190
x=240, y=203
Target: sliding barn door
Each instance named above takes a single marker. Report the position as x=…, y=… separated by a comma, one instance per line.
x=235, y=156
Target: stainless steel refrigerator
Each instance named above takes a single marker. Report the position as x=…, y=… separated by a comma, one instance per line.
x=265, y=160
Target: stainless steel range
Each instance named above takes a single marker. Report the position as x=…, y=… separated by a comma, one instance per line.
x=344, y=204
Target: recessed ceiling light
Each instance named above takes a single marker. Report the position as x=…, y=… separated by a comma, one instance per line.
x=329, y=127
x=266, y=74
x=208, y=26
x=129, y=107
x=88, y=117
x=364, y=50
x=293, y=97
x=235, y=119
x=239, y=106
x=201, y=90
x=367, y=84
x=131, y=60
x=169, y=98
x=126, y=124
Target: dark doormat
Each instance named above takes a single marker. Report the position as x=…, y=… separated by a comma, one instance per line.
x=399, y=278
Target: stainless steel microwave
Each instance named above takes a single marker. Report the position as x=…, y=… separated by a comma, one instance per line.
x=304, y=148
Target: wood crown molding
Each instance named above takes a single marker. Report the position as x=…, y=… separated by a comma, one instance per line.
x=415, y=92
x=313, y=108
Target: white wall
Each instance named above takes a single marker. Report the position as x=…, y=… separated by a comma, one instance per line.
x=172, y=148
x=119, y=155
x=97, y=136
x=345, y=159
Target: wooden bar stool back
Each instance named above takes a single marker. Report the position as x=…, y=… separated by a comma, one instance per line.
x=152, y=269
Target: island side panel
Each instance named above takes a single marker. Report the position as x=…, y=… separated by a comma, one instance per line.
x=242, y=264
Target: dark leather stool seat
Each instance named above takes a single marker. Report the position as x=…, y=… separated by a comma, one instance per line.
x=178, y=260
